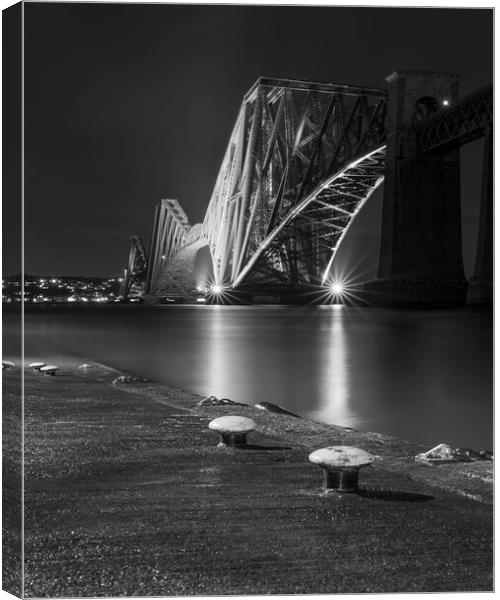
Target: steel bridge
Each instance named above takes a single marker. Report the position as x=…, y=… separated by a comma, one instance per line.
x=302, y=160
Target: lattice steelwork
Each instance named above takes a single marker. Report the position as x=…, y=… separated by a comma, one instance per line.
x=459, y=124
x=302, y=159
x=169, y=234
x=137, y=265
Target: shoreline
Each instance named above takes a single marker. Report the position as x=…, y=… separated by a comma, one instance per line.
x=458, y=476
x=131, y=472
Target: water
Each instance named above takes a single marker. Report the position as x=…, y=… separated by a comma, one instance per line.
x=419, y=375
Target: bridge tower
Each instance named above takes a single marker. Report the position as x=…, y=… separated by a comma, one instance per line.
x=421, y=245
x=480, y=291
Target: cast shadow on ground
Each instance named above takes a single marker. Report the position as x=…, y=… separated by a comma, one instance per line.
x=258, y=447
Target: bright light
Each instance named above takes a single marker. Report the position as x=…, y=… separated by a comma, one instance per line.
x=446, y=102
x=337, y=287
x=216, y=288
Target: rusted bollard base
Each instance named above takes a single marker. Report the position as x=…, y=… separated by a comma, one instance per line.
x=236, y=440
x=341, y=480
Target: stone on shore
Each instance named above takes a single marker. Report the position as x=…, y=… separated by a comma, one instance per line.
x=438, y=454
x=275, y=408
x=214, y=401
x=129, y=379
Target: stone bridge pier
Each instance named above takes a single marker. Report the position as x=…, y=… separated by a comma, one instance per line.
x=421, y=241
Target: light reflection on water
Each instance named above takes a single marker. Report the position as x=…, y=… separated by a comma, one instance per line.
x=333, y=405
x=418, y=375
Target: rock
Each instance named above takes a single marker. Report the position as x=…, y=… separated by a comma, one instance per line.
x=438, y=454
x=486, y=455
x=468, y=455
x=129, y=379
x=275, y=408
x=214, y=401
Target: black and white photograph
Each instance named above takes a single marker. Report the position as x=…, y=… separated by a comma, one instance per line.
x=247, y=299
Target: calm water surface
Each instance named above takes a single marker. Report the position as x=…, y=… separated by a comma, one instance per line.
x=420, y=375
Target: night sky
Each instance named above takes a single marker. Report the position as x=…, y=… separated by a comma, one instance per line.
x=128, y=104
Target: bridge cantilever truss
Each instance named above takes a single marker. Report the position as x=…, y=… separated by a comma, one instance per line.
x=302, y=159
x=170, y=228
x=136, y=267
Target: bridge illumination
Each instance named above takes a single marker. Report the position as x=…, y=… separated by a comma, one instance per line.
x=337, y=287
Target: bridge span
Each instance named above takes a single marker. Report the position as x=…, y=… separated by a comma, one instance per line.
x=302, y=160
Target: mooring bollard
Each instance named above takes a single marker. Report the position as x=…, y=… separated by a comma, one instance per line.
x=232, y=429
x=36, y=366
x=341, y=466
x=49, y=370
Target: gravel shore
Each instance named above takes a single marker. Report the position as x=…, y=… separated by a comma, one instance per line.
x=127, y=493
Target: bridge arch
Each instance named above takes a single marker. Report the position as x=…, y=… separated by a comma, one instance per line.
x=330, y=210
x=190, y=268
x=302, y=159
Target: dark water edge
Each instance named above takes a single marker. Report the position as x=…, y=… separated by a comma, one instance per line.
x=418, y=375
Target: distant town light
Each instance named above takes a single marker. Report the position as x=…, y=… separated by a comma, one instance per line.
x=446, y=102
x=216, y=288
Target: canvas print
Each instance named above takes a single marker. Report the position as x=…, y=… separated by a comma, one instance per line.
x=247, y=299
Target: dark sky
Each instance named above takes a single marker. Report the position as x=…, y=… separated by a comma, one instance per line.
x=126, y=104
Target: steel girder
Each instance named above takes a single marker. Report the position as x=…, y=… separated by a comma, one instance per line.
x=137, y=265
x=302, y=159
x=170, y=228
x=459, y=124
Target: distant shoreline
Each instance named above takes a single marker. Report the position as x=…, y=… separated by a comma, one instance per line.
x=94, y=306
